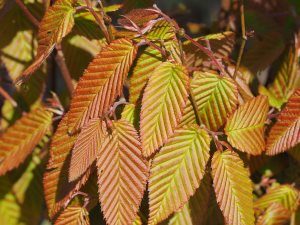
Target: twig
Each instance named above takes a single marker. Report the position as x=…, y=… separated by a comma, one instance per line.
x=99, y=20
x=244, y=39
x=182, y=33
x=60, y=60
x=6, y=96
x=34, y=21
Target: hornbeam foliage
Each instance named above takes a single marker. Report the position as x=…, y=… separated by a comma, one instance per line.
x=125, y=118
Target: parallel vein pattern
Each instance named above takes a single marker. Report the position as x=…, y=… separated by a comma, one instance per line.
x=122, y=174
x=86, y=147
x=274, y=215
x=20, y=139
x=101, y=83
x=176, y=171
x=58, y=190
x=285, y=134
x=162, y=106
x=216, y=97
x=195, y=211
x=285, y=195
x=245, y=127
x=73, y=215
x=56, y=24
x=233, y=188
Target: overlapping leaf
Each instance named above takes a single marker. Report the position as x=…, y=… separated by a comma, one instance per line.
x=21, y=196
x=274, y=215
x=58, y=190
x=150, y=59
x=245, y=127
x=287, y=78
x=129, y=112
x=20, y=139
x=285, y=134
x=221, y=44
x=285, y=195
x=195, y=210
x=216, y=97
x=162, y=105
x=86, y=147
x=233, y=188
x=122, y=174
x=73, y=215
x=56, y=24
x=101, y=83
x=176, y=171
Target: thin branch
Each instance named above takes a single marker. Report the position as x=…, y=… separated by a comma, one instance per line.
x=99, y=20
x=60, y=60
x=34, y=21
x=244, y=39
x=181, y=32
x=6, y=96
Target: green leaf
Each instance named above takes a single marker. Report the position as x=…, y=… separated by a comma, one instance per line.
x=162, y=106
x=285, y=195
x=216, y=97
x=233, y=188
x=245, y=127
x=176, y=171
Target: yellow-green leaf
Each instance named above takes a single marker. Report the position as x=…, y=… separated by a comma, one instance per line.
x=176, y=171
x=233, y=188
x=216, y=97
x=162, y=106
x=285, y=195
x=245, y=127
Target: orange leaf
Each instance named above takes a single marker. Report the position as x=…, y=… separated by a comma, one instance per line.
x=20, y=139
x=122, y=174
x=285, y=134
x=86, y=148
x=101, y=83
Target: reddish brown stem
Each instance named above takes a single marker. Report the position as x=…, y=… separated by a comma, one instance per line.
x=60, y=60
x=6, y=96
x=34, y=21
x=99, y=20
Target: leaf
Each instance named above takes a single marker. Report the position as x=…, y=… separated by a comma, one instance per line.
x=58, y=190
x=150, y=59
x=216, y=97
x=122, y=174
x=20, y=139
x=129, y=112
x=162, y=105
x=285, y=195
x=86, y=147
x=233, y=188
x=221, y=45
x=56, y=24
x=101, y=83
x=245, y=127
x=176, y=171
x=287, y=78
x=133, y=4
x=274, y=215
x=21, y=196
x=285, y=134
x=73, y=215
x=188, y=116
x=195, y=210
